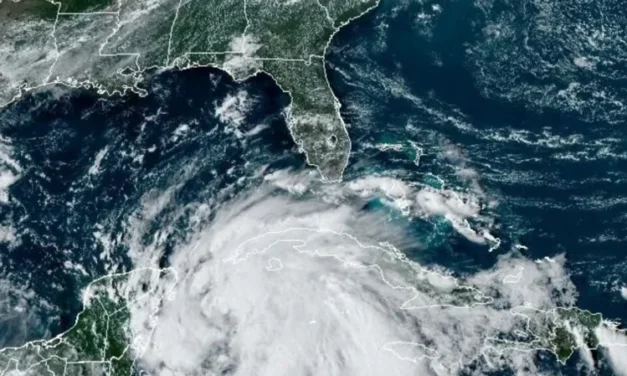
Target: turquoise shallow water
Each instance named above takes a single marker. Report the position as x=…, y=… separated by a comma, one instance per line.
x=517, y=108
x=427, y=78
x=558, y=172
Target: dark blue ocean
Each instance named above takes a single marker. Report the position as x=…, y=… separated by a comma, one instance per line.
x=407, y=72
x=532, y=113
x=64, y=201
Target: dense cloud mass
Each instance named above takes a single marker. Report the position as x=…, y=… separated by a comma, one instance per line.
x=284, y=284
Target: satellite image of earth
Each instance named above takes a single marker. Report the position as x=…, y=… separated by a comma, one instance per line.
x=313, y=187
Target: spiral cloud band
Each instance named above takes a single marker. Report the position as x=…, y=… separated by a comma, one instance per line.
x=278, y=285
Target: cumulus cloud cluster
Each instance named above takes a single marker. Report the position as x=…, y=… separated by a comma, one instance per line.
x=10, y=170
x=458, y=208
x=284, y=284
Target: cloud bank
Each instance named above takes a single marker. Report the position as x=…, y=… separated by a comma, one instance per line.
x=284, y=284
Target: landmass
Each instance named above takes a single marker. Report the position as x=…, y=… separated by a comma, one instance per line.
x=121, y=312
x=101, y=342
x=560, y=331
x=111, y=45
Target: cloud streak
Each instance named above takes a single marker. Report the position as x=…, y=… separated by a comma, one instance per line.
x=283, y=284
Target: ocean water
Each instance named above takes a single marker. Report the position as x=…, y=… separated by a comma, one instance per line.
x=409, y=72
x=484, y=98
x=90, y=166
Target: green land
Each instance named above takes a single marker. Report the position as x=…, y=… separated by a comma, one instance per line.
x=98, y=39
x=561, y=331
x=99, y=343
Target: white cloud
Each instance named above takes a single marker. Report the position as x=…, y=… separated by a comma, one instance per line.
x=242, y=63
x=10, y=170
x=456, y=207
x=7, y=178
x=95, y=168
x=233, y=110
x=7, y=234
x=615, y=344
x=283, y=286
